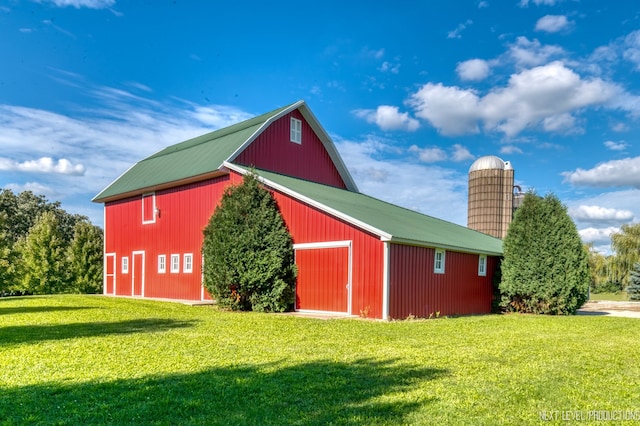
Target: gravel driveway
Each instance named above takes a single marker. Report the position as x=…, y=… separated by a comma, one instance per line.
x=614, y=309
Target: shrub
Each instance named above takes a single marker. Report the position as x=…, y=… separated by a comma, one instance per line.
x=633, y=289
x=248, y=251
x=545, y=268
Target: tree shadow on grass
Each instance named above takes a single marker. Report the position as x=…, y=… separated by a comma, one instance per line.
x=40, y=309
x=20, y=334
x=361, y=392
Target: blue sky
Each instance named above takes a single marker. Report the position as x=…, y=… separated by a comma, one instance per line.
x=412, y=92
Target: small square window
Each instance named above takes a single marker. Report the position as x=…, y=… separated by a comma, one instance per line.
x=175, y=263
x=162, y=264
x=482, y=266
x=187, y=266
x=149, y=208
x=296, y=130
x=438, y=261
x=125, y=265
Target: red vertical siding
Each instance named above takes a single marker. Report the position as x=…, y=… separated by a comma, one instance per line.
x=323, y=274
x=182, y=214
x=274, y=151
x=309, y=225
x=414, y=289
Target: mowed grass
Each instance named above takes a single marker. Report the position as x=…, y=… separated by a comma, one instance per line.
x=99, y=360
x=616, y=297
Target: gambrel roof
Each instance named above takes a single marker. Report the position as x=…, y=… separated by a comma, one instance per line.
x=388, y=221
x=202, y=157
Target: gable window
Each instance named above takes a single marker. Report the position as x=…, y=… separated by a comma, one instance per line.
x=187, y=266
x=482, y=266
x=162, y=264
x=296, y=130
x=175, y=263
x=149, y=208
x=438, y=261
x=125, y=265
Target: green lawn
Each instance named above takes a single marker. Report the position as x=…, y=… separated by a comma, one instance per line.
x=617, y=297
x=93, y=359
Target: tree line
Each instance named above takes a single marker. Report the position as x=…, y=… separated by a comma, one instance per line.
x=46, y=250
x=613, y=273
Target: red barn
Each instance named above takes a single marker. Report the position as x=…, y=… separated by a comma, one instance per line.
x=355, y=254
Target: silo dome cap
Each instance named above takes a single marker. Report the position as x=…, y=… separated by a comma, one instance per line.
x=489, y=162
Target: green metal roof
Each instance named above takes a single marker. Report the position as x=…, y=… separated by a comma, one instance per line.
x=195, y=157
x=389, y=221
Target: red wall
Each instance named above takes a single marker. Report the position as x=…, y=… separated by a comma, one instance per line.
x=416, y=290
x=185, y=211
x=274, y=151
x=183, y=214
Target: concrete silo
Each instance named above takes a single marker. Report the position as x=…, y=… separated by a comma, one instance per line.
x=491, y=185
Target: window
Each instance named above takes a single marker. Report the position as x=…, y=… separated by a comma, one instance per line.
x=438, y=262
x=125, y=265
x=296, y=130
x=188, y=263
x=482, y=265
x=175, y=263
x=162, y=264
x=148, y=208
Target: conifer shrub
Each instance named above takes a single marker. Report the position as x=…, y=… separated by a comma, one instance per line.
x=248, y=251
x=545, y=268
x=633, y=289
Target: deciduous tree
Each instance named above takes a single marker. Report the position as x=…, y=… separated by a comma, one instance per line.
x=85, y=258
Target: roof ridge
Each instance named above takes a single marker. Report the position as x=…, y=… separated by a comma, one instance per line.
x=218, y=133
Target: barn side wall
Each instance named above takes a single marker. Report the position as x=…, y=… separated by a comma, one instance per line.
x=181, y=215
x=274, y=151
x=414, y=289
x=184, y=211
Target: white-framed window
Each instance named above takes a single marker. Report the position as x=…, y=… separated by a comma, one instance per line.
x=175, y=263
x=125, y=265
x=438, y=261
x=149, y=209
x=482, y=265
x=187, y=265
x=162, y=263
x=296, y=130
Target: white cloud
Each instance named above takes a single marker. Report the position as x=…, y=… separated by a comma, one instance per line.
x=615, y=173
x=429, y=155
x=600, y=214
x=388, y=118
x=527, y=53
x=616, y=146
x=389, y=67
x=525, y=3
x=43, y=165
x=600, y=237
x=461, y=27
x=403, y=182
x=473, y=69
x=451, y=110
x=631, y=48
x=552, y=23
x=483, y=4
x=461, y=153
x=546, y=95
x=510, y=149
x=91, y=4
x=103, y=140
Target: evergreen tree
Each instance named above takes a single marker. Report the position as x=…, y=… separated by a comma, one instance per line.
x=43, y=257
x=545, y=267
x=248, y=251
x=85, y=258
x=7, y=261
x=633, y=289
